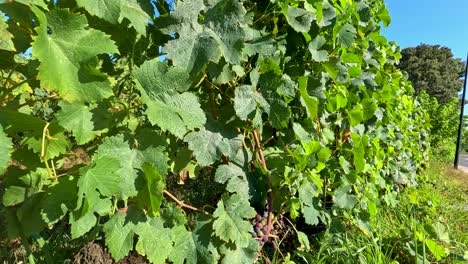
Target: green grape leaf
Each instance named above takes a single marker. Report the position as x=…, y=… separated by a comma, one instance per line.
x=6, y=146
x=101, y=175
x=78, y=119
x=157, y=79
x=346, y=35
x=60, y=197
x=33, y=2
x=356, y=115
x=325, y=13
x=239, y=255
x=206, y=244
x=5, y=36
x=225, y=19
x=120, y=231
x=314, y=46
x=343, y=199
x=173, y=216
x=304, y=240
x=129, y=161
x=84, y=218
x=310, y=208
x=175, y=112
x=311, y=103
x=57, y=144
x=184, y=247
x=32, y=128
x=151, y=195
x=195, y=46
x=245, y=101
x=207, y=146
x=222, y=32
x=230, y=225
x=70, y=49
x=235, y=178
x=359, y=152
x=178, y=114
x=299, y=19
x=29, y=215
x=96, y=180
x=115, y=11
x=154, y=240
x=24, y=186
x=152, y=146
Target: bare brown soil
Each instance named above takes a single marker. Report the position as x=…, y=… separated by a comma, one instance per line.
x=96, y=254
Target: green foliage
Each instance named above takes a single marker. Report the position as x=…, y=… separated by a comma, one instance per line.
x=417, y=225
x=444, y=120
x=296, y=106
x=433, y=69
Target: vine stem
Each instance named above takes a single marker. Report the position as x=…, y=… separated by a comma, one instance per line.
x=270, y=195
x=181, y=203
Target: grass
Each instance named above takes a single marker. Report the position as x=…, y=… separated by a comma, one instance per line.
x=427, y=225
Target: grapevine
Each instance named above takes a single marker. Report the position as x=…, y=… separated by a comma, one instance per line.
x=201, y=131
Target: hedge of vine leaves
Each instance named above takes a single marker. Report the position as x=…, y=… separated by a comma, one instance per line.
x=167, y=128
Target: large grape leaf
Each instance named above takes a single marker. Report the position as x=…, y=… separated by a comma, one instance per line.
x=234, y=254
x=6, y=146
x=152, y=146
x=343, y=199
x=299, y=19
x=129, y=161
x=5, y=36
x=84, y=218
x=235, y=177
x=115, y=11
x=311, y=103
x=31, y=129
x=247, y=99
x=207, y=146
x=346, y=35
x=119, y=235
x=59, y=198
x=206, y=244
x=310, y=208
x=314, y=46
x=154, y=240
x=57, y=144
x=184, y=247
x=101, y=175
x=96, y=180
x=222, y=32
x=158, y=78
x=177, y=114
x=68, y=56
x=78, y=119
x=225, y=19
x=120, y=231
x=230, y=225
x=150, y=197
x=272, y=96
x=20, y=188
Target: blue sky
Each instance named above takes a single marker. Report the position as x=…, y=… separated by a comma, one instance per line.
x=443, y=22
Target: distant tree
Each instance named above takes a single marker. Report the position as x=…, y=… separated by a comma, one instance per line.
x=433, y=69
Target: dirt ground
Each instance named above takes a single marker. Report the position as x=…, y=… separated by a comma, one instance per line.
x=96, y=254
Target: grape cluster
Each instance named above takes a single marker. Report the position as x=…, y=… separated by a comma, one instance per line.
x=260, y=226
